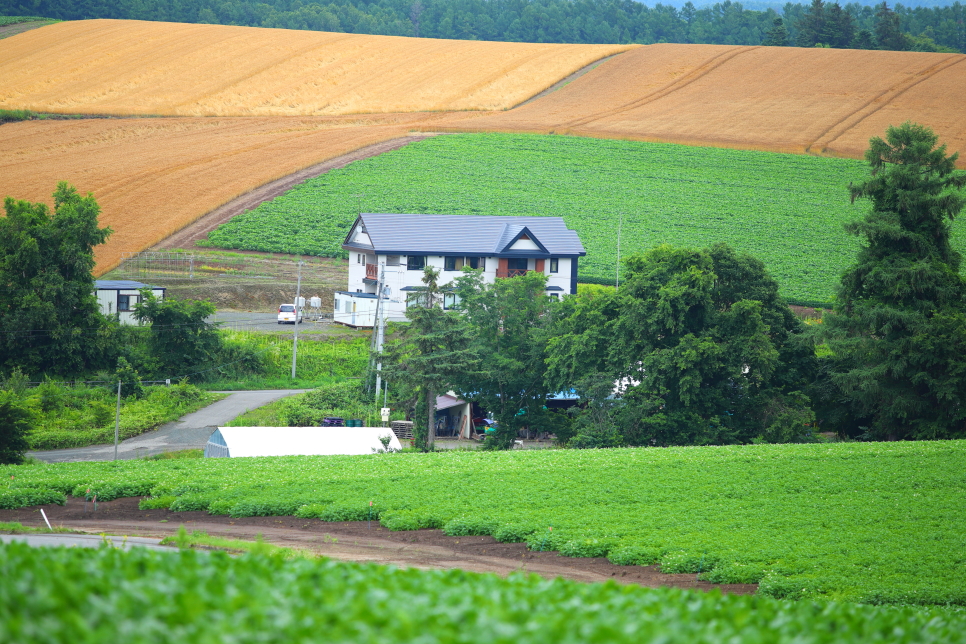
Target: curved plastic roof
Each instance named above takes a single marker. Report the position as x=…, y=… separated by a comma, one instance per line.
x=297, y=441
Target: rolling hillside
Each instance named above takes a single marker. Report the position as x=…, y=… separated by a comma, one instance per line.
x=155, y=176
x=784, y=99
x=127, y=67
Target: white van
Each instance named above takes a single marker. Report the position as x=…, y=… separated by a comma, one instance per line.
x=286, y=314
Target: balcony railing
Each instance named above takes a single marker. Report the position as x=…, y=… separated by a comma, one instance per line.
x=510, y=272
x=372, y=271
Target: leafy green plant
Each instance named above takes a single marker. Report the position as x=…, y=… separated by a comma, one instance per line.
x=869, y=522
x=786, y=209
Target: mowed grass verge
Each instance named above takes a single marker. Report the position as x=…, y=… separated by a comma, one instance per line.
x=788, y=210
x=866, y=522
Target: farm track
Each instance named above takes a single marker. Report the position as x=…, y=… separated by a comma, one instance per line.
x=701, y=71
x=188, y=236
x=357, y=541
x=876, y=103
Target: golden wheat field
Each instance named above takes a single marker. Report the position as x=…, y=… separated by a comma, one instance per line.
x=154, y=176
x=154, y=68
x=789, y=99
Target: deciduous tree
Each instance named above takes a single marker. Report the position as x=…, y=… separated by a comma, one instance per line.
x=49, y=318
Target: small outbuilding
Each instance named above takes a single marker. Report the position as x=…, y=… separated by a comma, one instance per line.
x=118, y=297
x=234, y=442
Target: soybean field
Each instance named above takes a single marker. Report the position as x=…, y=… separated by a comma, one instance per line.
x=788, y=210
x=83, y=596
x=877, y=523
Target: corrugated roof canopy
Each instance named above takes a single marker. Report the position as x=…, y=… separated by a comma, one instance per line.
x=412, y=234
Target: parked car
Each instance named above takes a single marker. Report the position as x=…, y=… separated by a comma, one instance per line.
x=286, y=314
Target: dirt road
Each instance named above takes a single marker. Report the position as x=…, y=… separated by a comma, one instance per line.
x=358, y=541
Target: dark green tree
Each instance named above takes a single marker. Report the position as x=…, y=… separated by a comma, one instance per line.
x=49, y=318
x=888, y=34
x=181, y=342
x=432, y=351
x=777, y=36
x=898, y=332
x=16, y=420
x=698, y=344
x=506, y=322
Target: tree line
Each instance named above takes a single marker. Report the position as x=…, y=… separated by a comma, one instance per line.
x=555, y=21
x=697, y=347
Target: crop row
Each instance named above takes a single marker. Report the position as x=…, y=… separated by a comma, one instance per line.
x=871, y=522
x=787, y=210
x=79, y=596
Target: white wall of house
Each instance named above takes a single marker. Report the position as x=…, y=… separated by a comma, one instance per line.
x=109, y=300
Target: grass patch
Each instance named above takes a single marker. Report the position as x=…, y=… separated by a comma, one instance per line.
x=200, y=539
x=82, y=416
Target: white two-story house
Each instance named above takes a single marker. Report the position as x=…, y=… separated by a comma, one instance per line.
x=397, y=247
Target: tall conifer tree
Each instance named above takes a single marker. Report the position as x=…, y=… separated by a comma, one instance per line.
x=898, y=332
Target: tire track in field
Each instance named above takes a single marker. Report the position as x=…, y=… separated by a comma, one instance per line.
x=695, y=74
x=836, y=130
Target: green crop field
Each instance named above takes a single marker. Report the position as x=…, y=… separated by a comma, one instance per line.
x=867, y=522
x=785, y=209
x=92, y=596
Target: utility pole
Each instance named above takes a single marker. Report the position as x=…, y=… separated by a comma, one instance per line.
x=117, y=419
x=377, y=330
x=295, y=333
x=620, y=224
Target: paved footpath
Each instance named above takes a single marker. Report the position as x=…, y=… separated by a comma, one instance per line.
x=84, y=541
x=189, y=432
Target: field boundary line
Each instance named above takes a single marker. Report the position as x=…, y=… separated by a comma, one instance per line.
x=877, y=102
x=560, y=84
x=697, y=73
x=200, y=227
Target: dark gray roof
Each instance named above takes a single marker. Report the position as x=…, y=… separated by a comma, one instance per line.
x=487, y=236
x=119, y=285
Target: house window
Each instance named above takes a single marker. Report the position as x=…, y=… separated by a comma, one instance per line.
x=363, y=260
x=415, y=262
x=127, y=302
x=517, y=263
x=554, y=264
x=451, y=300
x=451, y=263
x=476, y=262
x=392, y=260
x=555, y=296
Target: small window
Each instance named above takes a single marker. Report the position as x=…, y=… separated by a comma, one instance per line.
x=517, y=263
x=451, y=301
x=392, y=260
x=451, y=263
x=554, y=296
x=476, y=262
x=554, y=265
x=363, y=259
x=415, y=262
x=127, y=302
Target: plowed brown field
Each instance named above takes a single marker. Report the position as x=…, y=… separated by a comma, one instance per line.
x=154, y=176
x=770, y=98
x=154, y=68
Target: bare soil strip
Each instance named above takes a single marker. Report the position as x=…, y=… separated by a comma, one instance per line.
x=358, y=541
x=188, y=236
x=19, y=27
